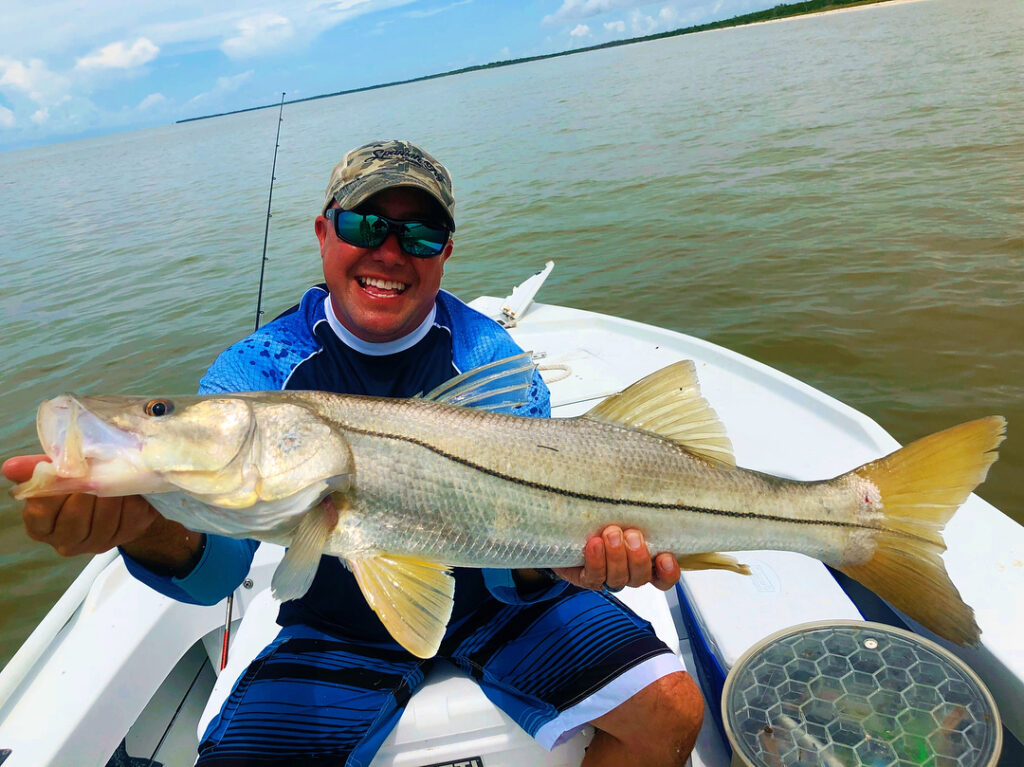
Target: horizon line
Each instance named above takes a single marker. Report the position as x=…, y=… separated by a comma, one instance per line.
x=781, y=11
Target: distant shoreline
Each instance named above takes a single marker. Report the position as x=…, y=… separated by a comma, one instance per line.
x=854, y=6
x=778, y=13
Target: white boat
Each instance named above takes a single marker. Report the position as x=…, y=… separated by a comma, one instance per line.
x=117, y=674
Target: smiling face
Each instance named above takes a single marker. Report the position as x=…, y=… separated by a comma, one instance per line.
x=381, y=294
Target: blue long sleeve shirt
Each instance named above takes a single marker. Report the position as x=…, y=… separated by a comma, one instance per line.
x=307, y=348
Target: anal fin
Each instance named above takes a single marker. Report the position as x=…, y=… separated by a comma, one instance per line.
x=712, y=560
x=412, y=597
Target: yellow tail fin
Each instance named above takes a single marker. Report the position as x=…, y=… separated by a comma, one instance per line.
x=922, y=485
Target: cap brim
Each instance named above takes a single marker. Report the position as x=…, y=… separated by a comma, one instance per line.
x=362, y=189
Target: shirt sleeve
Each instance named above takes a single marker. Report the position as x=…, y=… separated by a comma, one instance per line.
x=503, y=588
x=221, y=569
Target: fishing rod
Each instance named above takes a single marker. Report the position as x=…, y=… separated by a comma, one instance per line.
x=259, y=313
x=266, y=229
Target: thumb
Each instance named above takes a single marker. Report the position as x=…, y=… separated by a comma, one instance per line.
x=20, y=467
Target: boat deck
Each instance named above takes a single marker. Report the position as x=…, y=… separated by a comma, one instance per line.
x=115, y=658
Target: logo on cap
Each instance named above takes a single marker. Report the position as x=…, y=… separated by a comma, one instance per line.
x=380, y=165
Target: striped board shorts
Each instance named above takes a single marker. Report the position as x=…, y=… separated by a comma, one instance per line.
x=552, y=666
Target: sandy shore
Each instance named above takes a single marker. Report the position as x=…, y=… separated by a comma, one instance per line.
x=850, y=9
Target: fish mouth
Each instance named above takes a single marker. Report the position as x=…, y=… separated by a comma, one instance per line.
x=73, y=437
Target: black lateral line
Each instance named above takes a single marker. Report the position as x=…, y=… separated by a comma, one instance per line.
x=620, y=501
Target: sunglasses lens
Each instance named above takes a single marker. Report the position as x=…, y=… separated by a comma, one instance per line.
x=369, y=231
x=362, y=231
x=422, y=240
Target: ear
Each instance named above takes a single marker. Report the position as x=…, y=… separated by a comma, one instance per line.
x=321, y=226
x=447, y=250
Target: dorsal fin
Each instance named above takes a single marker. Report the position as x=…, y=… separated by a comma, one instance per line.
x=668, y=403
x=495, y=386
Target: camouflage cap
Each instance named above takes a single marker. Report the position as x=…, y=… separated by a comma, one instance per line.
x=380, y=165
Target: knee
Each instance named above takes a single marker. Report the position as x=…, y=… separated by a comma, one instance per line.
x=661, y=721
x=678, y=713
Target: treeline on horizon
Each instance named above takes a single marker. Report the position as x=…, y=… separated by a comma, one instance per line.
x=781, y=11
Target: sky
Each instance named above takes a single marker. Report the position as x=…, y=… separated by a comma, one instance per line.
x=76, y=68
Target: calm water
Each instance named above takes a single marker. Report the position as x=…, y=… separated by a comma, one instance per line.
x=837, y=196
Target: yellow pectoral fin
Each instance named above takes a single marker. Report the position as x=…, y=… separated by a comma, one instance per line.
x=712, y=561
x=412, y=597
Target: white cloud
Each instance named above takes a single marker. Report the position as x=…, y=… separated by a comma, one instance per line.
x=223, y=86
x=575, y=10
x=152, y=100
x=257, y=35
x=580, y=30
x=120, y=56
x=28, y=29
x=35, y=80
x=40, y=116
x=6, y=118
x=642, y=24
x=233, y=83
x=434, y=11
x=642, y=19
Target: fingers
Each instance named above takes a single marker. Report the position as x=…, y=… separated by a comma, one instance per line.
x=137, y=516
x=594, y=565
x=84, y=524
x=39, y=516
x=628, y=560
x=105, y=520
x=620, y=558
x=19, y=468
x=73, y=523
x=666, y=572
x=616, y=561
x=639, y=559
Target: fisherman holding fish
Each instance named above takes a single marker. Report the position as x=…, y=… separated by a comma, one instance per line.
x=555, y=653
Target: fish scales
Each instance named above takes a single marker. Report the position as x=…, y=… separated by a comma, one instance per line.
x=506, y=490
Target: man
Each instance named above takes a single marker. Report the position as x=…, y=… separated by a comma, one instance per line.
x=333, y=683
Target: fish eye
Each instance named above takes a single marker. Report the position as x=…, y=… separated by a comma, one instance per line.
x=159, y=407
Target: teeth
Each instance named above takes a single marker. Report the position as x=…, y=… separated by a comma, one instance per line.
x=382, y=284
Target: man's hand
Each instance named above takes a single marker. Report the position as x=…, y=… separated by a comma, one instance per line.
x=79, y=523
x=617, y=559
x=84, y=524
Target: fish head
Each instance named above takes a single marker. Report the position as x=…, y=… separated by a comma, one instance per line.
x=117, y=445
x=233, y=450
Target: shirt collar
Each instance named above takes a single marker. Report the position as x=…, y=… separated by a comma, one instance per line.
x=370, y=348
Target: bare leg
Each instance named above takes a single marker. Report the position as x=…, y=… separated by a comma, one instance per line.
x=657, y=726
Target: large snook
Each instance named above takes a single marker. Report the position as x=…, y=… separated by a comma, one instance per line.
x=403, y=489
